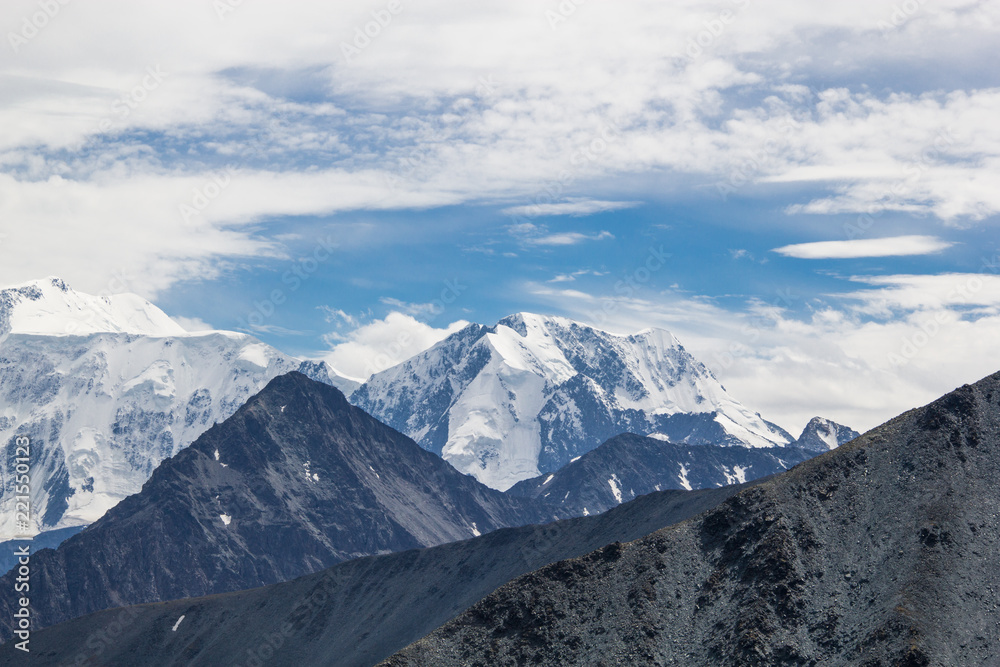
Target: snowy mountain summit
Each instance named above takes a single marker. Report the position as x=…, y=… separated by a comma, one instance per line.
x=107, y=387
x=50, y=307
x=507, y=402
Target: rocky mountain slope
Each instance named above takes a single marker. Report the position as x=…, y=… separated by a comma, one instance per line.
x=822, y=435
x=295, y=481
x=881, y=552
x=507, y=402
x=106, y=388
x=355, y=613
x=628, y=466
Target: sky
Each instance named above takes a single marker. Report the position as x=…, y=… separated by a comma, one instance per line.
x=805, y=194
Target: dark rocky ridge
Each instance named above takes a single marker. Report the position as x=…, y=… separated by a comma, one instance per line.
x=634, y=465
x=355, y=613
x=295, y=481
x=881, y=552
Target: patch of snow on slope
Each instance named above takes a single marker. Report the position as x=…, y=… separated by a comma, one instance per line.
x=684, y=478
x=158, y=379
x=750, y=429
x=827, y=433
x=615, y=490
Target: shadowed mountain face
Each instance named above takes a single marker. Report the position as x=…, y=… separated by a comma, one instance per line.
x=882, y=552
x=630, y=465
x=352, y=614
x=295, y=481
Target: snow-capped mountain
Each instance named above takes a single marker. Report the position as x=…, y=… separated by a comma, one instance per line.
x=106, y=388
x=507, y=402
x=822, y=435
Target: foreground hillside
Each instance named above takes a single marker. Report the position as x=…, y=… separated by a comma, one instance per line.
x=355, y=613
x=882, y=552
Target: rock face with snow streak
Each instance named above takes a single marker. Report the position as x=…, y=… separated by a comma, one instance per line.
x=507, y=402
x=106, y=388
x=822, y=435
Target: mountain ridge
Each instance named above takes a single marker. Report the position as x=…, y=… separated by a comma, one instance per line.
x=360, y=611
x=628, y=466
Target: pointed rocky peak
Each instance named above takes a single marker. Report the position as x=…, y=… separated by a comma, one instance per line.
x=821, y=435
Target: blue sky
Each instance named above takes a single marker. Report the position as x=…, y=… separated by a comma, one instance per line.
x=261, y=167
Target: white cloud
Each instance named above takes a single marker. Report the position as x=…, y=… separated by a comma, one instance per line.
x=570, y=277
x=428, y=309
x=567, y=238
x=578, y=207
x=621, y=97
x=893, y=246
x=193, y=323
x=381, y=344
x=976, y=293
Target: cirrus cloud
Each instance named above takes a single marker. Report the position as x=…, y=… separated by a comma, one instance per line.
x=893, y=246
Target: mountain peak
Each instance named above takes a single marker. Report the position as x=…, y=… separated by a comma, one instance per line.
x=523, y=322
x=51, y=307
x=822, y=434
x=503, y=403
